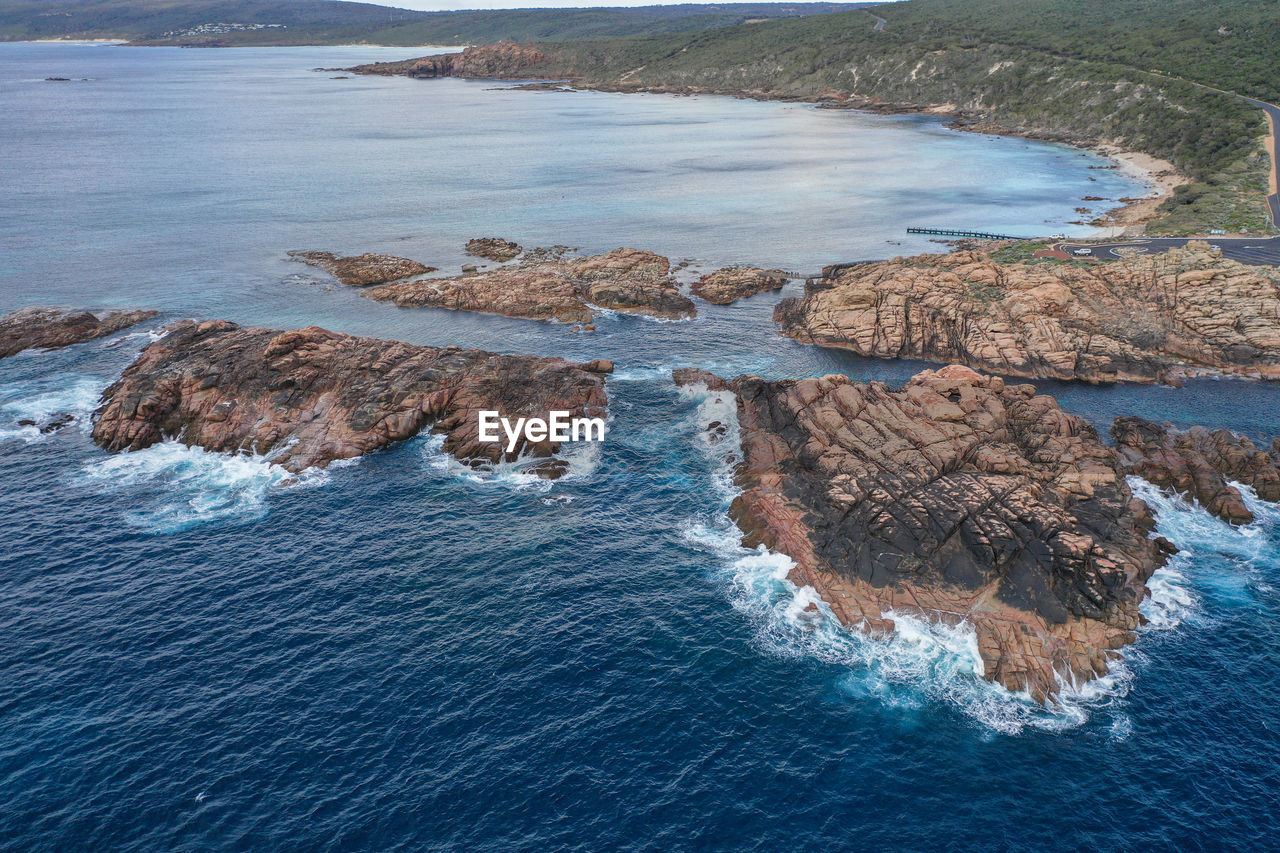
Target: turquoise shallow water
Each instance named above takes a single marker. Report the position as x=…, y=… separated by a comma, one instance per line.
x=198, y=653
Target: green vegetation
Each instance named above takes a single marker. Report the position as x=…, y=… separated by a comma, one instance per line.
x=159, y=22
x=1022, y=251
x=1129, y=73
x=1231, y=200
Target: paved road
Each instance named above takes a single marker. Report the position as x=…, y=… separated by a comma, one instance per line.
x=1248, y=250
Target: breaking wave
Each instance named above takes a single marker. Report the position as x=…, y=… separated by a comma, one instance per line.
x=42, y=405
x=1230, y=565
x=922, y=662
x=169, y=486
x=582, y=457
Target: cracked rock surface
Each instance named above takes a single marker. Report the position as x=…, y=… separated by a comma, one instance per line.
x=52, y=328
x=310, y=396
x=956, y=497
x=1147, y=318
x=567, y=290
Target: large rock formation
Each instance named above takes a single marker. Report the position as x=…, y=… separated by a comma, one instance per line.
x=1200, y=464
x=494, y=248
x=732, y=283
x=363, y=270
x=491, y=61
x=555, y=288
x=50, y=328
x=1147, y=318
x=956, y=498
x=309, y=396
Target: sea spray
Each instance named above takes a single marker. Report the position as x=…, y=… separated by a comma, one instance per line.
x=40, y=402
x=922, y=662
x=169, y=486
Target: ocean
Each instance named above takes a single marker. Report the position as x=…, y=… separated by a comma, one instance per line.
x=203, y=652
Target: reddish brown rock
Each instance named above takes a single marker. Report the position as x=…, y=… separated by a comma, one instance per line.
x=954, y=498
x=1200, y=464
x=1146, y=318
x=555, y=288
x=310, y=396
x=494, y=248
x=51, y=328
x=732, y=283
x=490, y=61
x=363, y=270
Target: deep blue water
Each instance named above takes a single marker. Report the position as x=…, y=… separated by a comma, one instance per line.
x=198, y=652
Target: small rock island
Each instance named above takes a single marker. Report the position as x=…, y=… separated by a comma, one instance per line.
x=310, y=396
x=52, y=328
x=956, y=497
x=550, y=287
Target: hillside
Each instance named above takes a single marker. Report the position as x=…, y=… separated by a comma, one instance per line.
x=1078, y=71
x=227, y=23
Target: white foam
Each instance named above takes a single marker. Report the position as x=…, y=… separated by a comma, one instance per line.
x=724, y=446
x=37, y=401
x=613, y=315
x=170, y=486
x=921, y=662
x=1246, y=554
x=582, y=457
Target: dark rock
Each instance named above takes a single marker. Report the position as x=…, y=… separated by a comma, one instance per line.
x=1199, y=464
x=955, y=498
x=494, y=248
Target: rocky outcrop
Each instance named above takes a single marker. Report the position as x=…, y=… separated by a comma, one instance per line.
x=555, y=288
x=491, y=61
x=51, y=328
x=1200, y=464
x=732, y=283
x=363, y=270
x=954, y=498
x=310, y=396
x=1147, y=318
x=494, y=248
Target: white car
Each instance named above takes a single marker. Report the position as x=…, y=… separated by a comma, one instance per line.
x=1083, y=252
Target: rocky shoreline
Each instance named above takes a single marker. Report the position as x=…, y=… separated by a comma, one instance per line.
x=1200, y=464
x=728, y=285
x=957, y=498
x=522, y=62
x=1146, y=318
x=310, y=396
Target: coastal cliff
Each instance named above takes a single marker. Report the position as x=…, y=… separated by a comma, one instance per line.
x=956, y=497
x=1147, y=318
x=311, y=396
